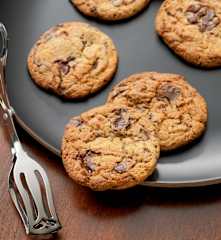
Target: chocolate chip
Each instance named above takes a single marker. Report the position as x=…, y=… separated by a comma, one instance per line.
x=202, y=12
x=64, y=68
x=208, y=17
x=193, y=8
x=120, y=168
x=169, y=91
x=64, y=64
x=87, y=159
x=192, y=18
x=202, y=26
x=212, y=24
x=122, y=120
x=203, y=16
x=120, y=123
x=90, y=165
x=210, y=14
x=77, y=122
x=210, y=27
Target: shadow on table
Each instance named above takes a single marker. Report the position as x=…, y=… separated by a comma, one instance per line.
x=118, y=203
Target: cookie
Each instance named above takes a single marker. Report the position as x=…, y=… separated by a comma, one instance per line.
x=178, y=111
x=73, y=60
x=110, y=10
x=110, y=147
x=191, y=28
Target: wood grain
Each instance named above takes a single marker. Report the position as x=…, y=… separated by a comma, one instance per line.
x=139, y=213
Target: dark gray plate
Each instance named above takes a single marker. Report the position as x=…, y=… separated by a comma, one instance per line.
x=45, y=115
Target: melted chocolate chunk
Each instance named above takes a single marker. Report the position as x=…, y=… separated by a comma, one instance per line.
x=120, y=168
x=202, y=12
x=202, y=16
x=193, y=8
x=121, y=123
x=64, y=67
x=64, y=64
x=169, y=91
x=87, y=160
x=90, y=165
x=192, y=18
x=122, y=120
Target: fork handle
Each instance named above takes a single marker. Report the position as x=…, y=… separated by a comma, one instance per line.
x=8, y=112
x=3, y=60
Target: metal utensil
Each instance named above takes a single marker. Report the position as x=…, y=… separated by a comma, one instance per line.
x=29, y=186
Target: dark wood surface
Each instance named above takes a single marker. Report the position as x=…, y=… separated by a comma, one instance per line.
x=139, y=213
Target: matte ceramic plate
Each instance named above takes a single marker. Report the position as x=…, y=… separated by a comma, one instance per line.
x=44, y=115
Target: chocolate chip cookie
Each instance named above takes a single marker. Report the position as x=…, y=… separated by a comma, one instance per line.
x=191, y=28
x=178, y=111
x=110, y=10
x=110, y=147
x=73, y=60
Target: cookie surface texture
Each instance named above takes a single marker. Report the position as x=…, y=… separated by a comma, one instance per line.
x=178, y=111
x=110, y=10
x=191, y=28
x=73, y=60
x=110, y=147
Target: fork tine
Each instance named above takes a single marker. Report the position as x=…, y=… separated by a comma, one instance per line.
x=17, y=203
x=48, y=191
x=25, y=197
x=34, y=188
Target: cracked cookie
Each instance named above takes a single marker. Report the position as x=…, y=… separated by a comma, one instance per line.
x=110, y=147
x=110, y=10
x=73, y=60
x=191, y=28
x=178, y=111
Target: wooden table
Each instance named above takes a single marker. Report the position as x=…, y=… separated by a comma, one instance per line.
x=136, y=214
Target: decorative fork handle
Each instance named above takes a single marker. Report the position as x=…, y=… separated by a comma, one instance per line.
x=4, y=102
x=37, y=213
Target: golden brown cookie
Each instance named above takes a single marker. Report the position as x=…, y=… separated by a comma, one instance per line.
x=191, y=28
x=177, y=109
x=110, y=147
x=110, y=10
x=73, y=60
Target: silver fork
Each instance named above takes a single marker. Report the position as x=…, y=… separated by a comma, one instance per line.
x=29, y=186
